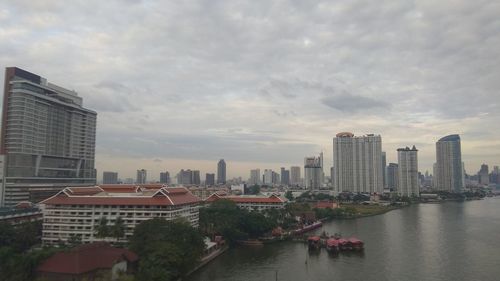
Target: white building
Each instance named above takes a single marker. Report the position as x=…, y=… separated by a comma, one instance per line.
x=295, y=176
x=254, y=177
x=78, y=210
x=313, y=172
x=252, y=202
x=449, y=170
x=408, y=172
x=268, y=177
x=357, y=163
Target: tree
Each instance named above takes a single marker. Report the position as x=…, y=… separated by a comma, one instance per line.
x=102, y=229
x=74, y=240
x=289, y=195
x=118, y=229
x=167, y=249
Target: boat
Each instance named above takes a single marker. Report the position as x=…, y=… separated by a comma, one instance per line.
x=356, y=244
x=307, y=228
x=332, y=245
x=314, y=242
x=250, y=242
x=343, y=244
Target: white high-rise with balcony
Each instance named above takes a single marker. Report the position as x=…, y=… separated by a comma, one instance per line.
x=357, y=163
x=408, y=172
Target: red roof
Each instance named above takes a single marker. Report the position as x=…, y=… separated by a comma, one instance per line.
x=314, y=238
x=355, y=240
x=162, y=197
x=241, y=199
x=86, y=258
x=332, y=242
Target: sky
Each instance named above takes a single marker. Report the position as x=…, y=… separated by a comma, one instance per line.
x=262, y=84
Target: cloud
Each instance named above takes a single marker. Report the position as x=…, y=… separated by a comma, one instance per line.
x=353, y=104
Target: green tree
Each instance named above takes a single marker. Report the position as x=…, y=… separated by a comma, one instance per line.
x=118, y=229
x=289, y=195
x=102, y=229
x=74, y=240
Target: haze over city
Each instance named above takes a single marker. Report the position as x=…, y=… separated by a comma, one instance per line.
x=262, y=85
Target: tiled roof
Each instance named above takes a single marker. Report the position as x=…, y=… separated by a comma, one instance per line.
x=117, y=196
x=86, y=258
x=244, y=199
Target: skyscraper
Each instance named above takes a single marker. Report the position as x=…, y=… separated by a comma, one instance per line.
x=254, y=177
x=221, y=172
x=483, y=175
x=392, y=176
x=47, y=139
x=196, y=177
x=209, y=179
x=295, y=176
x=285, y=176
x=313, y=172
x=268, y=177
x=408, y=172
x=358, y=163
x=141, y=176
x=109, y=177
x=449, y=164
x=384, y=169
x=185, y=177
x=165, y=177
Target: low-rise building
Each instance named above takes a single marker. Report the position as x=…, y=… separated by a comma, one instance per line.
x=251, y=202
x=23, y=212
x=77, y=211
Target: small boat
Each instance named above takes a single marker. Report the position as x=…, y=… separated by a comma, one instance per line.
x=343, y=244
x=356, y=244
x=314, y=242
x=332, y=245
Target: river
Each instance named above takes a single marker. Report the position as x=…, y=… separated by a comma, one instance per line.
x=449, y=241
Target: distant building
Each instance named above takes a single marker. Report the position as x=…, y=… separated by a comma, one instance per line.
x=209, y=179
x=484, y=175
x=185, y=177
x=313, y=172
x=47, y=139
x=165, y=177
x=196, y=178
x=76, y=211
x=358, y=163
x=23, y=212
x=221, y=172
x=268, y=177
x=84, y=262
x=392, y=176
x=285, y=176
x=449, y=169
x=109, y=177
x=384, y=169
x=141, y=177
x=254, y=177
x=408, y=172
x=295, y=176
x=128, y=181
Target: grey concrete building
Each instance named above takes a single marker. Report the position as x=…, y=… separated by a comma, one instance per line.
x=449, y=171
x=221, y=172
x=109, y=177
x=408, y=172
x=47, y=139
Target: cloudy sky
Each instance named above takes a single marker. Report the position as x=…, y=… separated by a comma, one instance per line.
x=181, y=84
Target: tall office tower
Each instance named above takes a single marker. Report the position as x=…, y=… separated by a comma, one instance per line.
x=47, y=139
x=313, y=172
x=484, y=175
x=275, y=178
x=285, y=176
x=196, y=177
x=384, y=169
x=141, y=177
x=109, y=177
x=295, y=176
x=221, y=172
x=358, y=163
x=449, y=164
x=165, y=177
x=495, y=175
x=408, y=172
x=185, y=177
x=392, y=176
x=209, y=179
x=254, y=177
x=268, y=177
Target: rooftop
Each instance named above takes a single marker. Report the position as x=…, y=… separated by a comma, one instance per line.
x=450, y=138
x=273, y=198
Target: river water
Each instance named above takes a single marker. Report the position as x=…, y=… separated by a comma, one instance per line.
x=449, y=241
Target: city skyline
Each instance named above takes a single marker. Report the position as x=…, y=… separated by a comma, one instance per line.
x=263, y=85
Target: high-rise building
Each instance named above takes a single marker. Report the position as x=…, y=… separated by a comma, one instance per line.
x=209, y=179
x=408, y=172
x=109, y=177
x=285, y=176
x=221, y=172
x=358, y=163
x=165, y=177
x=47, y=139
x=268, y=177
x=384, y=169
x=196, y=177
x=449, y=169
x=254, y=177
x=313, y=172
x=392, y=176
x=295, y=176
x=185, y=177
x=484, y=175
x=141, y=177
